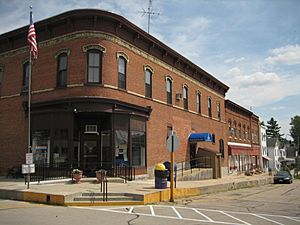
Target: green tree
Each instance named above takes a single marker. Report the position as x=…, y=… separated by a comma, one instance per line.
x=295, y=129
x=273, y=129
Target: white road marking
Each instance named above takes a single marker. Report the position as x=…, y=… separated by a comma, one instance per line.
x=234, y=218
x=130, y=210
x=177, y=213
x=200, y=213
x=179, y=217
x=152, y=210
x=273, y=221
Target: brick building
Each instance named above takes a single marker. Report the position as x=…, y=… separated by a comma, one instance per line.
x=105, y=92
x=243, y=137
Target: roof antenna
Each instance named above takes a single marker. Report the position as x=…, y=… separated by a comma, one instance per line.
x=149, y=12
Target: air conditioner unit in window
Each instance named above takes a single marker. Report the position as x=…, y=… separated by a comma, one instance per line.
x=91, y=129
x=178, y=96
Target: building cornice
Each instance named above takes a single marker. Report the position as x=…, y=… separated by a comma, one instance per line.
x=98, y=20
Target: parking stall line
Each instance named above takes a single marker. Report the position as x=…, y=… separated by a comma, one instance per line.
x=200, y=213
x=235, y=218
x=130, y=210
x=273, y=221
x=177, y=213
x=152, y=210
x=294, y=219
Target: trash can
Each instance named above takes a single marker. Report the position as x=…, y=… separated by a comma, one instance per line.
x=161, y=174
x=168, y=167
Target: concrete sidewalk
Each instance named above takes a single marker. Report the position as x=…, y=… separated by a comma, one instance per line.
x=63, y=192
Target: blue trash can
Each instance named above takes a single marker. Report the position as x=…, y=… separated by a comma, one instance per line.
x=161, y=174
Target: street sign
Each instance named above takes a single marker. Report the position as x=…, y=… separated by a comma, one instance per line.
x=29, y=158
x=172, y=142
x=28, y=168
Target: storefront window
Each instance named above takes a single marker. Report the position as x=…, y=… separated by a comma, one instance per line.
x=138, y=148
x=121, y=143
x=41, y=146
x=60, y=145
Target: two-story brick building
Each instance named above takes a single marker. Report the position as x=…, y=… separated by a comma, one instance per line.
x=104, y=92
x=243, y=137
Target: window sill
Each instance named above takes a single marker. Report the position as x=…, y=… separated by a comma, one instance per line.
x=94, y=84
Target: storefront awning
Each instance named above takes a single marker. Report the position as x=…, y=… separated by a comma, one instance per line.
x=194, y=137
x=266, y=157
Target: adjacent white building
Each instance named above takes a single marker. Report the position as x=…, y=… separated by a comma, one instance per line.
x=264, y=158
x=273, y=148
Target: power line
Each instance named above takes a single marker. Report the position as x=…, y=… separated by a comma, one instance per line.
x=150, y=13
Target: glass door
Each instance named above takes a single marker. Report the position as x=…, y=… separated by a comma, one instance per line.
x=89, y=155
x=105, y=151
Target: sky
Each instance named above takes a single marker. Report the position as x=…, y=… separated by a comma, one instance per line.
x=252, y=46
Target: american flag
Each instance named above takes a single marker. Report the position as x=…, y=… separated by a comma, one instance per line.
x=31, y=38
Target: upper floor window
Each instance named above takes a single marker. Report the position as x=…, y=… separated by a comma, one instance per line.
x=148, y=83
x=234, y=128
x=94, y=66
x=122, y=72
x=198, y=102
x=1, y=73
x=185, y=98
x=25, y=77
x=230, y=130
x=209, y=107
x=244, y=131
x=240, y=131
x=169, y=90
x=62, y=63
x=248, y=133
x=219, y=110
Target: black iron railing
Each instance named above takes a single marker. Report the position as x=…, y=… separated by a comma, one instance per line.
x=49, y=171
x=124, y=171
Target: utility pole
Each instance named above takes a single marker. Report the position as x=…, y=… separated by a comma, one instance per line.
x=149, y=12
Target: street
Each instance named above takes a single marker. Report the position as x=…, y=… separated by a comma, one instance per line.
x=269, y=204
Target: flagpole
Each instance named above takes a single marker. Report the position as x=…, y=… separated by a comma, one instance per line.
x=29, y=107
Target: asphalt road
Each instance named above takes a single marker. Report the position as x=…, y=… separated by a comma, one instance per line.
x=270, y=204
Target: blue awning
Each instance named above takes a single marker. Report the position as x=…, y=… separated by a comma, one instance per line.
x=200, y=137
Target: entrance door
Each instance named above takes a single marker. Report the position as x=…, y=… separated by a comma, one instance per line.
x=90, y=154
x=193, y=155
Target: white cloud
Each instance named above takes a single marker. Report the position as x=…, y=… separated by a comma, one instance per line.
x=288, y=55
x=234, y=60
x=259, y=88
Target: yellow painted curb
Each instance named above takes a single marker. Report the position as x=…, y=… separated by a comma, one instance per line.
x=103, y=203
x=44, y=198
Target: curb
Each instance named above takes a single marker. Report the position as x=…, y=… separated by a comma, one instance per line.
x=162, y=195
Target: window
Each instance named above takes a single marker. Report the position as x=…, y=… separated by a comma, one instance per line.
x=185, y=98
x=1, y=74
x=248, y=133
x=122, y=72
x=234, y=128
x=199, y=102
x=230, y=130
x=219, y=110
x=148, y=83
x=244, y=131
x=25, y=77
x=240, y=131
x=94, y=66
x=169, y=90
x=221, y=143
x=213, y=138
x=209, y=107
x=62, y=62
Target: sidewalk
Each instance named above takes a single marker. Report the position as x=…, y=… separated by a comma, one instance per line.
x=62, y=192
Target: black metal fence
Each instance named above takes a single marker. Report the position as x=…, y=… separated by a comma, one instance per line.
x=49, y=171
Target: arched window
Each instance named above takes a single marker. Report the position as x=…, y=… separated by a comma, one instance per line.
x=248, y=133
x=169, y=90
x=185, y=98
x=122, y=72
x=240, y=130
x=230, y=130
x=219, y=110
x=199, y=102
x=25, y=77
x=62, y=64
x=244, y=131
x=94, y=62
x=148, y=83
x=234, y=128
x=209, y=107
